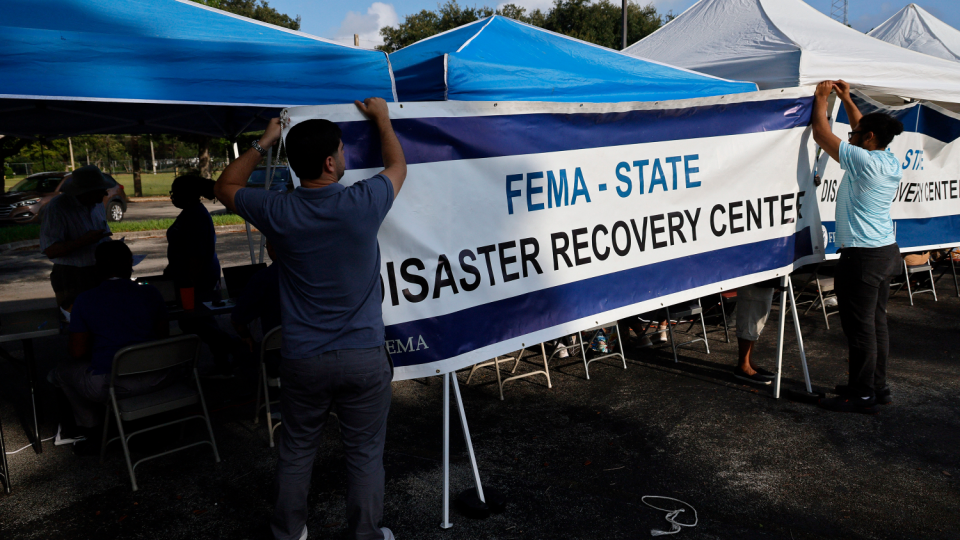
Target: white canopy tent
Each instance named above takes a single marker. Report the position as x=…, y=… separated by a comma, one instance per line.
x=915, y=29
x=786, y=43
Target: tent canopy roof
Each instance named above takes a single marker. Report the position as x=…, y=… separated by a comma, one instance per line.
x=141, y=66
x=500, y=59
x=783, y=43
x=914, y=28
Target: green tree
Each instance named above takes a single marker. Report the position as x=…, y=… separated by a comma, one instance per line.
x=258, y=10
x=448, y=16
x=600, y=22
x=597, y=22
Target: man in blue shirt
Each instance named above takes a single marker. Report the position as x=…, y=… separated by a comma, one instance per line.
x=113, y=315
x=333, y=354
x=869, y=255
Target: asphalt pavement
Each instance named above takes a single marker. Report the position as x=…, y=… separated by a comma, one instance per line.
x=163, y=209
x=574, y=461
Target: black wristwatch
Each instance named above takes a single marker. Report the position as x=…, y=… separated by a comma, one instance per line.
x=256, y=146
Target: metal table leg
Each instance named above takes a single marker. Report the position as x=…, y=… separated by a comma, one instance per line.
x=6, y=468
x=31, y=376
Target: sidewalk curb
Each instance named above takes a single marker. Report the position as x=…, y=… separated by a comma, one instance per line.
x=222, y=229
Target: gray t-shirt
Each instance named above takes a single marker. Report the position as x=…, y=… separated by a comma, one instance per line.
x=65, y=219
x=329, y=259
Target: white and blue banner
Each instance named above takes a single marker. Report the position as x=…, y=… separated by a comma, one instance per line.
x=926, y=207
x=521, y=222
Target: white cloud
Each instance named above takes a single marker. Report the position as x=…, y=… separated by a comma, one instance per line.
x=367, y=25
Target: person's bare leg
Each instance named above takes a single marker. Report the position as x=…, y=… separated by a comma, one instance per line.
x=745, y=362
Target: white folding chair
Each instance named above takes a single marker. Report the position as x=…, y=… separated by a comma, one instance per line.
x=146, y=358
x=271, y=342
x=823, y=291
x=682, y=311
x=596, y=332
x=919, y=269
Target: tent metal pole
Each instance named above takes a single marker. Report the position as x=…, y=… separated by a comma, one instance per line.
x=466, y=436
x=266, y=186
x=783, y=320
x=796, y=328
x=246, y=224
x=445, y=524
x=624, y=16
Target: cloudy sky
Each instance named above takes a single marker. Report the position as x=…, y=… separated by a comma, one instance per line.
x=341, y=19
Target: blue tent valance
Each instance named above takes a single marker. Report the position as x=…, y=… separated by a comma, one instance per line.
x=162, y=66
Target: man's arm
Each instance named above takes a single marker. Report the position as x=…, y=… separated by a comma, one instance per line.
x=81, y=345
x=853, y=113
x=395, y=164
x=65, y=247
x=822, y=134
x=235, y=176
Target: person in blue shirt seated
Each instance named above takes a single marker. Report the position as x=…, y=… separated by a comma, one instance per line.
x=869, y=254
x=115, y=314
x=260, y=299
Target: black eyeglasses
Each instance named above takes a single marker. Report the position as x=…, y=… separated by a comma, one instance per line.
x=850, y=134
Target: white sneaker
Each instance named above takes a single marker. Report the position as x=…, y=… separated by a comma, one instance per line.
x=60, y=441
x=663, y=334
x=387, y=534
x=563, y=353
x=304, y=535
x=830, y=302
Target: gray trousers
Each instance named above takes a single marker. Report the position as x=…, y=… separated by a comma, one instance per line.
x=357, y=383
x=87, y=392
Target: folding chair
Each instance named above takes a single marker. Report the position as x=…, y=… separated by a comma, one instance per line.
x=271, y=342
x=919, y=269
x=5, y=472
x=823, y=290
x=147, y=358
x=945, y=262
x=497, y=361
x=725, y=297
x=596, y=332
x=681, y=311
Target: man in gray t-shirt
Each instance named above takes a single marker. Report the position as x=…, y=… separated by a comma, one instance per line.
x=325, y=237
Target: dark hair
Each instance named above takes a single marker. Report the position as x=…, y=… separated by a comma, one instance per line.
x=309, y=144
x=883, y=126
x=114, y=259
x=192, y=187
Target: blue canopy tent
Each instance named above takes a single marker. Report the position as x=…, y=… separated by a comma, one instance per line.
x=165, y=66
x=500, y=59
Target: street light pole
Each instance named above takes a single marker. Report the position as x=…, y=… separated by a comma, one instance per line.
x=623, y=41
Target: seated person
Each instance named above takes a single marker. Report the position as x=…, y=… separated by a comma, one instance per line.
x=260, y=299
x=753, y=307
x=917, y=259
x=113, y=315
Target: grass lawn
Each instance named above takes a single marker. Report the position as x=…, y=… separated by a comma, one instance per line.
x=16, y=233
x=152, y=184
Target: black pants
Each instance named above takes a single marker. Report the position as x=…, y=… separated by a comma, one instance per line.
x=357, y=383
x=863, y=287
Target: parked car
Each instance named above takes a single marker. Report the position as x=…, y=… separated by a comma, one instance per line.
x=23, y=202
x=282, y=181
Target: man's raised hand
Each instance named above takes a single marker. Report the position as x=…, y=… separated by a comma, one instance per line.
x=374, y=108
x=843, y=89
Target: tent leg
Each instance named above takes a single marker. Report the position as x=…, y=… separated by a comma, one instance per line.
x=783, y=321
x=796, y=328
x=466, y=437
x=253, y=257
x=445, y=524
x=266, y=186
